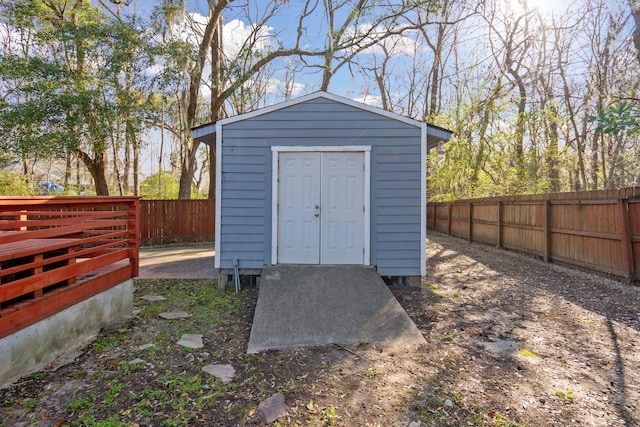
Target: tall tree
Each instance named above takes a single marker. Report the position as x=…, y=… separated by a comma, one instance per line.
x=75, y=62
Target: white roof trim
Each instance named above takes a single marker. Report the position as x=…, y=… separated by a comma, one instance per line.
x=320, y=94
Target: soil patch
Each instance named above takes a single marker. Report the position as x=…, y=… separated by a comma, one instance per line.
x=510, y=341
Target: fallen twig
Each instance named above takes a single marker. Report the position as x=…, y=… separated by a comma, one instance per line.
x=341, y=347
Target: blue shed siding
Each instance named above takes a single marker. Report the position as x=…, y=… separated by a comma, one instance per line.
x=397, y=211
x=246, y=177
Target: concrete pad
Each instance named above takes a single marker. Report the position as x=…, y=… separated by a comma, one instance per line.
x=313, y=305
x=195, y=261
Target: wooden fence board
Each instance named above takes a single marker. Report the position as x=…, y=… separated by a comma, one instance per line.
x=599, y=230
x=176, y=221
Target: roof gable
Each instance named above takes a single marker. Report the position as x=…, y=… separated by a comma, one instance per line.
x=434, y=134
x=324, y=95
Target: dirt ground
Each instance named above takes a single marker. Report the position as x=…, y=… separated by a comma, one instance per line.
x=511, y=341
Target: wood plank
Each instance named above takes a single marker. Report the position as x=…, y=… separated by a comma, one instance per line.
x=546, y=240
x=58, y=232
x=21, y=287
x=14, y=320
x=625, y=235
x=31, y=247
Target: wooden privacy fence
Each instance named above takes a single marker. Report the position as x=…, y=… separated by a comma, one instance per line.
x=598, y=230
x=176, y=221
x=58, y=251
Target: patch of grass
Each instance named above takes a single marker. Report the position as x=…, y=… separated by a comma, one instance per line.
x=110, y=340
x=114, y=390
x=182, y=384
x=89, y=420
x=454, y=409
x=177, y=422
x=373, y=372
x=200, y=298
x=161, y=338
x=29, y=404
x=151, y=310
x=565, y=397
x=152, y=393
x=126, y=368
x=329, y=415
x=502, y=421
x=81, y=402
x=218, y=389
x=448, y=336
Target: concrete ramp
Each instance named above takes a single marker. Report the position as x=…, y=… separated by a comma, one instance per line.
x=313, y=305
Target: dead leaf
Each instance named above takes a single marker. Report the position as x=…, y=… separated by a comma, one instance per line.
x=310, y=407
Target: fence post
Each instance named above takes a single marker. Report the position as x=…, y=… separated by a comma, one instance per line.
x=470, y=222
x=499, y=243
x=625, y=235
x=134, y=235
x=546, y=214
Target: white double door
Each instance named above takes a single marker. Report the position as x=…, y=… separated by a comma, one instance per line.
x=321, y=208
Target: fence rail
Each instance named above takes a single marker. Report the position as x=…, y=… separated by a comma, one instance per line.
x=597, y=230
x=58, y=251
x=176, y=221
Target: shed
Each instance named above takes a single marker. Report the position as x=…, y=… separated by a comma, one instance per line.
x=321, y=179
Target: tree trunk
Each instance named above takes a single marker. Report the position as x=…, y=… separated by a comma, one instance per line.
x=434, y=100
x=216, y=111
x=188, y=169
x=67, y=170
x=635, y=12
x=552, y=154
x=136, y=168
x=189, y=161
x=97, y=167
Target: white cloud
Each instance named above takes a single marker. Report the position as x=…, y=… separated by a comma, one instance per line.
x=400, y=44
x=237, y=34
x=373, y=100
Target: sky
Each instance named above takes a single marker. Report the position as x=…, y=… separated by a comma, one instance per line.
x=282, y=28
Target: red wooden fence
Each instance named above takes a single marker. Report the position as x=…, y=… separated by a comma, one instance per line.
x=58, y=251
x=176, y=221
x=598, y=230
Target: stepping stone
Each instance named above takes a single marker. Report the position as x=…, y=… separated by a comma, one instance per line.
x=272, y=408
x=146, y=346
x=136, y=361
x=174, y=315
x=152, y=298
x=225, y=372
x=191, y=341
x=500, y=346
